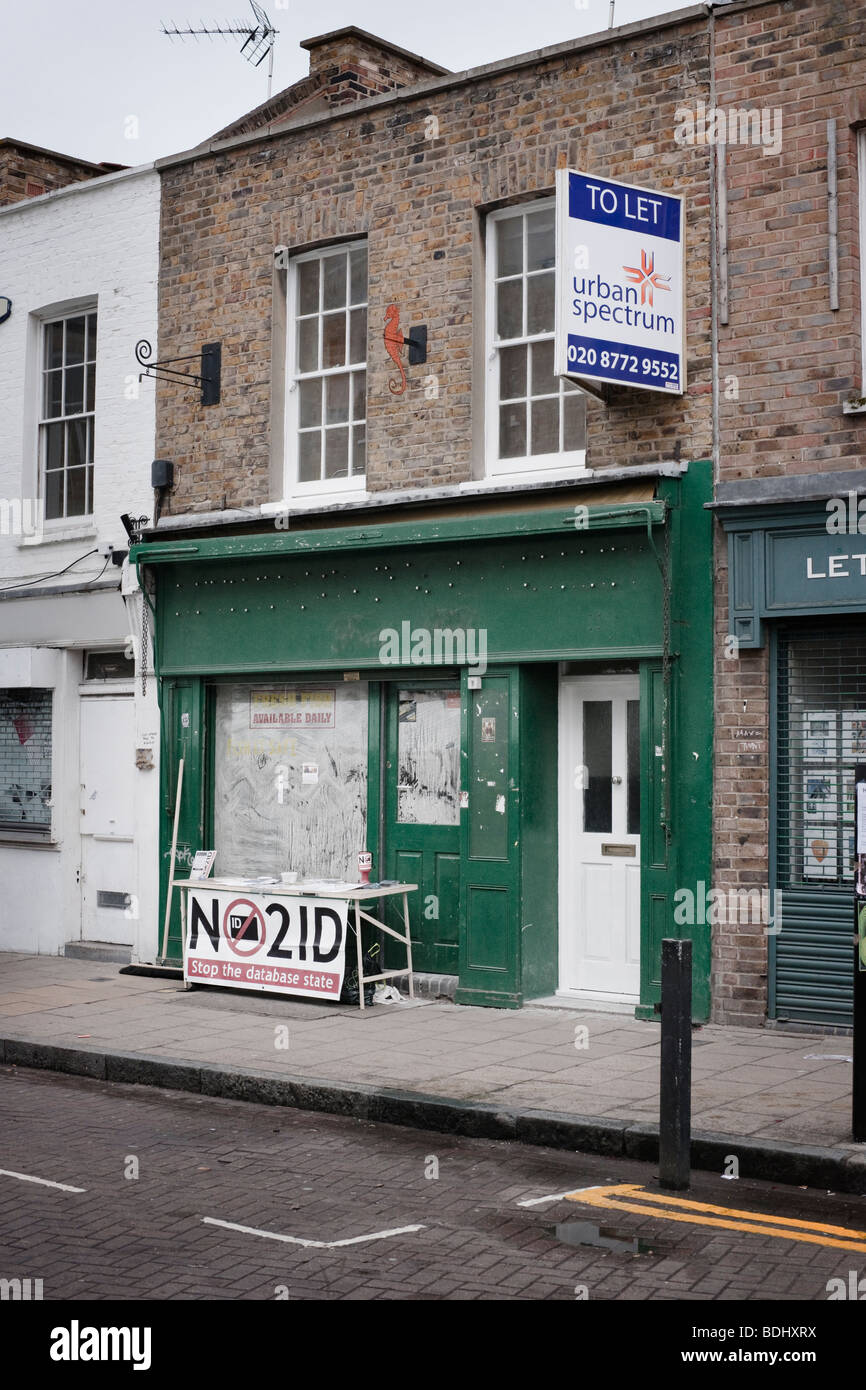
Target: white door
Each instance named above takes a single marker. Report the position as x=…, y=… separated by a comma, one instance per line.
x=599, y=837
x=107, y=826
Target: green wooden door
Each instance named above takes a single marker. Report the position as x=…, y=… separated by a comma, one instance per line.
x=490, y=965
x=422, y=814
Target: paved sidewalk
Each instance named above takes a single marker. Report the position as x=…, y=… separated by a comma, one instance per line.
x=758, y=1085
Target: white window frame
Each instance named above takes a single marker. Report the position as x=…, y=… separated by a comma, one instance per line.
x=530, y=467
x=59, y=526
x=347, y=489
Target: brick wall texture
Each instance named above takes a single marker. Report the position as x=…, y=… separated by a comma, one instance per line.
x=27, y=173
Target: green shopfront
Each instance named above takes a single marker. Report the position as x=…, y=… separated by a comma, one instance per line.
x=507, y=699
x=797, y=563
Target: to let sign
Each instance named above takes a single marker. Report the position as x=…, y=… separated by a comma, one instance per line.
x=619, y=271
x=285, y=945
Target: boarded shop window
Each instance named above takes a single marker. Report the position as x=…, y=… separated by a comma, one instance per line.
x=67, y=415
x=290, y=779
x=535, y=419
x=328, y=368
x=25, y=761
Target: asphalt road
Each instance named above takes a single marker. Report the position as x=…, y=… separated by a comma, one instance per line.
x=160, y=1170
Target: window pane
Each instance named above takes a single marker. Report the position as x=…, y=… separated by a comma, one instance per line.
x=310, y=456
x=574, y=425
x=334, y=340
x=509, y=246
x=512, y=373
x=337, y=399
x=54, y=446
x=545, y=426
x=336, y=453
x=75, y=340
x=540, y=246
x=597, y=758
x=74, y=403
x=358, y=336
x=358, y=274
x=509, y=309
x=308, y=287
x=54, y=494
x=90, y=489
x=359, y=447
x=633, y=765
x=76, y=491
x=76, y=443
x=334, y=289
x=544, y=383
x=91, y=337
x=359, y=395
x=540, y=300
x=308, y=345
x=512, y=431
x=91, y=387
x=428, y=757
x=53, y=394
x=91, y=437
x=53, y=345
x=311, y=402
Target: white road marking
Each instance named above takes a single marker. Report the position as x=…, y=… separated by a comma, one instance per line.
x=43, y=1182
x=557, y=1197
x=315, y=1244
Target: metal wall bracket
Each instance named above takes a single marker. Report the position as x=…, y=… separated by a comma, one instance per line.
x=207, y=379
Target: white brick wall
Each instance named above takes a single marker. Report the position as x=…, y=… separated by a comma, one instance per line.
x=93, y=241
x=97, y=240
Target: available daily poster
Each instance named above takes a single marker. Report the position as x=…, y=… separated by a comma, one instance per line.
x=620, y=303
x=291, y=706
x=283, y=945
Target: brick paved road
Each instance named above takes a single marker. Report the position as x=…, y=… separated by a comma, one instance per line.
x=324, y=1178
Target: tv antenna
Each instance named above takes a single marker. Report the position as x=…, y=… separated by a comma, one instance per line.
x=258, y=38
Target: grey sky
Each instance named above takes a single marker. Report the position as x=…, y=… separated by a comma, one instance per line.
x=76, y=70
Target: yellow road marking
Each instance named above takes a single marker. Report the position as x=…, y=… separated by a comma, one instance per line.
x=647, y=1204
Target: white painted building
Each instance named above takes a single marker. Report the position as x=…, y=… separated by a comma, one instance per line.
x=79, y=746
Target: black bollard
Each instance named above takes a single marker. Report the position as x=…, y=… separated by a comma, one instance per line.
x=675, y=1087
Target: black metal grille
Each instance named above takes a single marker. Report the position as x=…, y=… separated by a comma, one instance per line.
x=821, y=734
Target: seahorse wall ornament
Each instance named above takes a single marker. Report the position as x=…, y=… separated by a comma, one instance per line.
x=394, y=341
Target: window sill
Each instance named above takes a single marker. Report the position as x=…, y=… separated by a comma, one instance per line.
x=313, y=501
x=85, y=532
x=522, y=476
x=855, y=407
x=10, y=839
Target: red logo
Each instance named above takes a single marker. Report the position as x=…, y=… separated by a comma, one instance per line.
x=647, y=277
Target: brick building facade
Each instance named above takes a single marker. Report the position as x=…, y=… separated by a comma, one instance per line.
x=437, y=193
x=790, y=361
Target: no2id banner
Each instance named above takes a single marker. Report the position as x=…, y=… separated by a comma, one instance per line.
x=283, y=945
